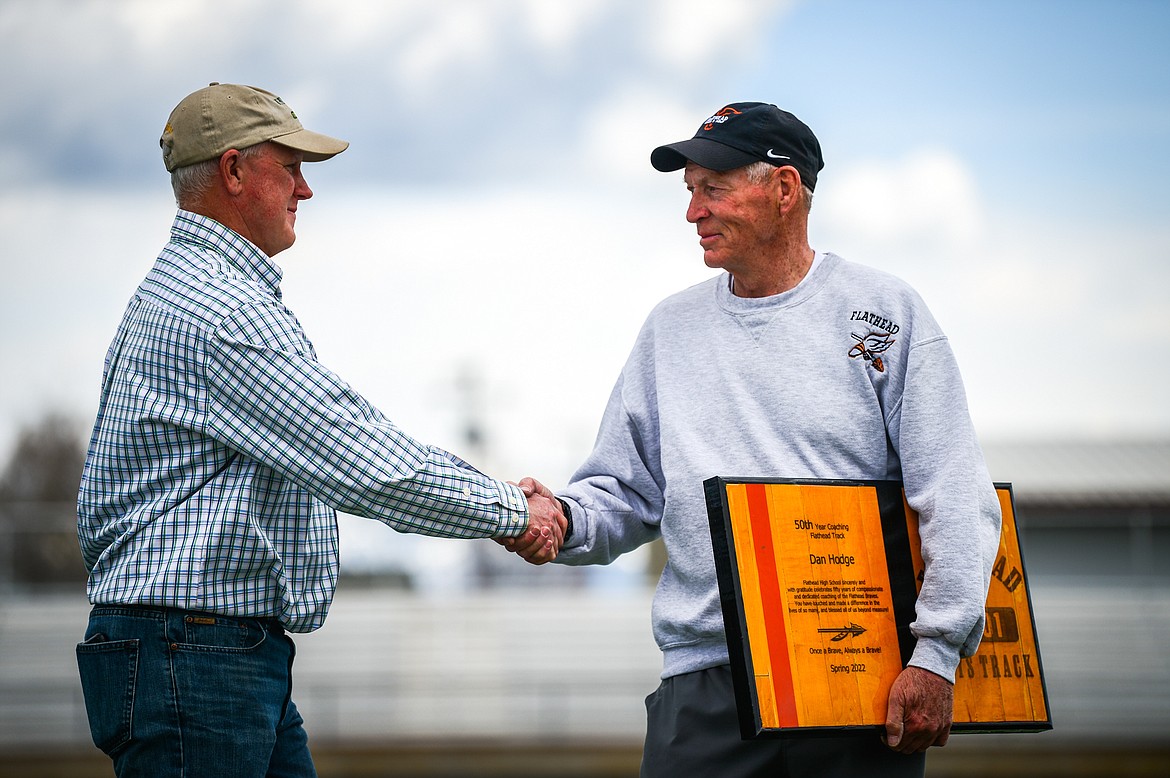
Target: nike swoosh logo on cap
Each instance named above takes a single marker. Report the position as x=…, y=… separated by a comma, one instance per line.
x=777, y=156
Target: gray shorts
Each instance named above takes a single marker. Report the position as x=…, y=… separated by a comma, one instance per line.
x=692, y=729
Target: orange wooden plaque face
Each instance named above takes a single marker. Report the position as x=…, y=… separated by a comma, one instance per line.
x=818, y=581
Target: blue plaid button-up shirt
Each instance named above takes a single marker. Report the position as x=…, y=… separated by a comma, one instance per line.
x=222, y=449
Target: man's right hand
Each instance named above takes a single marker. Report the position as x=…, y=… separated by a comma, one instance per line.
x=541, y=542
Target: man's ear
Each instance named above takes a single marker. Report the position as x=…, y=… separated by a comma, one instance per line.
x=789, y=186
x=231, y=172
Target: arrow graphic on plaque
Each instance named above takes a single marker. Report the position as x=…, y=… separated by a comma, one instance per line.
x=842, y=632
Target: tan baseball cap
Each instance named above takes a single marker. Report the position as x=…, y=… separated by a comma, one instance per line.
x=219, y=117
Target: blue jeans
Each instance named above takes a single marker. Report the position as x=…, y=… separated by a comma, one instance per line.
x=179, y=693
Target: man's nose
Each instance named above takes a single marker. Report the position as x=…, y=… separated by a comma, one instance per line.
x=302, y=188
x=696, y=210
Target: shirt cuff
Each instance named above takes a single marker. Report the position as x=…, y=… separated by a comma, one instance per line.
x=513, y=511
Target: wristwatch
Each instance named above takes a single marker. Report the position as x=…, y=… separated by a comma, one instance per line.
x=568, y=519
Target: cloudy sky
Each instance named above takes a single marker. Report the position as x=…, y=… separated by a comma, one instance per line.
x=496, y=224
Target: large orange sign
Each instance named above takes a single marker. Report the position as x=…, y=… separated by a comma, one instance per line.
x=818, y=581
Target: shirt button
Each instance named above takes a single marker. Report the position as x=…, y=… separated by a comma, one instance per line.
x=467, y=491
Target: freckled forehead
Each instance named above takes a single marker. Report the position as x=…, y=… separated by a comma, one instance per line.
x=700, y=175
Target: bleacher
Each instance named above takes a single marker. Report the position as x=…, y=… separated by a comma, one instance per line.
x=552, y=683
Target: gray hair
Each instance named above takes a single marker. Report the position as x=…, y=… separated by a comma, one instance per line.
x=191, y=182
x=758, y=171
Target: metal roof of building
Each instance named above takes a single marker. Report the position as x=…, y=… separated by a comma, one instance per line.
x=1081, y=471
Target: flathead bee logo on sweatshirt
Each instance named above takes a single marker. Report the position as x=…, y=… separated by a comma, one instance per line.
x=871, y=345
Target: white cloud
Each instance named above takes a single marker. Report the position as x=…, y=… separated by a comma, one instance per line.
x=691, y=35
x=928, y=196
x=359, y=25
x=444, y=46
x=556, y=26
x=619, y=132
x=153, y=28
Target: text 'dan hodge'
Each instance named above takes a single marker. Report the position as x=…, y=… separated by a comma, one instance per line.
x=846, y=560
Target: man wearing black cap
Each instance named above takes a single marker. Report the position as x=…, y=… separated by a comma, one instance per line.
x=221, y=450
x=797, y=364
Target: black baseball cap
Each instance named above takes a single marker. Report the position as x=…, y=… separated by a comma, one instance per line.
x=742, y=133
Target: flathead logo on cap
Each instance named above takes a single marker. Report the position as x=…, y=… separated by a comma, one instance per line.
x=720, y=116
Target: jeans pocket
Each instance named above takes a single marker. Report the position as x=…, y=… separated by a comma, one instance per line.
x=109, y=675
x=214, y=633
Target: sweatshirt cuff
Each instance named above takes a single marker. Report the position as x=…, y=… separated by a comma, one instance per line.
x=937, y=655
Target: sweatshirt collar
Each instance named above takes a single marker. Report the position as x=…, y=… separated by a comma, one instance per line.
x=814, y=279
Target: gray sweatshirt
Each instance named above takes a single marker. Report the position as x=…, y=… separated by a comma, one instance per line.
x=846, y=376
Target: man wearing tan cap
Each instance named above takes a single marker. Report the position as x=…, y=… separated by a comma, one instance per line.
x=221, y=450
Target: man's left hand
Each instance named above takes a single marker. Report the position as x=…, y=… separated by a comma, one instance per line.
x=920, y=710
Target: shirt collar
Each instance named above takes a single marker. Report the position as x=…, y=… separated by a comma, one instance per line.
x=240, y=252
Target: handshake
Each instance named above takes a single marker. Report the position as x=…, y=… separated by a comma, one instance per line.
x=548, y=526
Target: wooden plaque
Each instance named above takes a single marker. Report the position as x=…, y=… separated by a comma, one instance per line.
x=818, y=581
